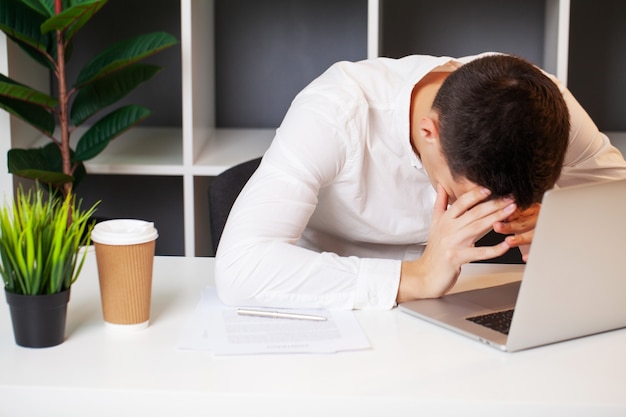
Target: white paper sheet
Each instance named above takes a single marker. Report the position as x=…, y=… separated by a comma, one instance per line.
x=219, y=329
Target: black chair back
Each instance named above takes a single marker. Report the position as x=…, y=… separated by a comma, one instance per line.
x=223, y=192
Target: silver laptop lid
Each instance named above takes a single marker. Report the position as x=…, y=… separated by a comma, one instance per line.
x=575, y=280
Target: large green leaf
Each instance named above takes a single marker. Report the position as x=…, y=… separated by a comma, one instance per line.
x=43, y=7
x=23, y=23
x=40, y=57
x=96, y=139
x=52, y=154
x=24, y=159
x=123, y=54
x=27, y=107
x=33, y=115
x=46, y=7
x=34, y=164
x=72, y=19
x=108, y=90
x=12, y=89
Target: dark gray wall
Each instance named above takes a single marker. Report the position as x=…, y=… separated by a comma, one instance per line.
x=598, y=60
x=122, y=19
x=461, y=27
x=158, y=199
x=267, y=51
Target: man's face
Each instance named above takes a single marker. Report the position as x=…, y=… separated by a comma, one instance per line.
x=439, y=173
x=455, y=189
x=425, y=140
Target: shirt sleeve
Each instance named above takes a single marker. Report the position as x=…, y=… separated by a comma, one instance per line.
x=590, y=156
x=258, y=261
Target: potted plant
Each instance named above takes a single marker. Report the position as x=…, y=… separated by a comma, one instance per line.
x=45, y=30
x=40, y=242
x=41, y=233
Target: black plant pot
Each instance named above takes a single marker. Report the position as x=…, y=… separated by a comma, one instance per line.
x=38, y=320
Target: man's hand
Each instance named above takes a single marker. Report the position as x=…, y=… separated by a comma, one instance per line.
x=521, y=225
x=453, y=232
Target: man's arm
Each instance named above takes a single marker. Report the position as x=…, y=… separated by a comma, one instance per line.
x=261, y=259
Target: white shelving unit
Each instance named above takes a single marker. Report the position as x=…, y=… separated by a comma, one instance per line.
x=198, y=150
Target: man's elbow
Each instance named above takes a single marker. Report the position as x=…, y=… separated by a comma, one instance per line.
x=231, y=284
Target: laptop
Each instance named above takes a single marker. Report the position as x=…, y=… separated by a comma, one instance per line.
x=573, y=285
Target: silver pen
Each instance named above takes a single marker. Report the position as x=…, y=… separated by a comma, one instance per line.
x=279, y=315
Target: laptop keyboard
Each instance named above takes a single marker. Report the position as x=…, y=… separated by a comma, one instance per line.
x=499, y=321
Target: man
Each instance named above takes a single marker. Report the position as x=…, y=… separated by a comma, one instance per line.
x=384, y=173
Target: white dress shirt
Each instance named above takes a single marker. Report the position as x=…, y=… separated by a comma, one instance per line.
x=340, y=198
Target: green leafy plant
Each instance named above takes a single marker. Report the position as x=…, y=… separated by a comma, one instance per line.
x=45, y=30
x=39, y=246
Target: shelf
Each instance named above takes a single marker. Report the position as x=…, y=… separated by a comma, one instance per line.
x=140, y=151
x=158, y=151
x=229, y=147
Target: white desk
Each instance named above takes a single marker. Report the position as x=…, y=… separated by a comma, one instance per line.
x=413, y=367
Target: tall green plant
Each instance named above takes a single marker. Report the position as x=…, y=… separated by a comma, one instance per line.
x=45, y=30
x=39, y=246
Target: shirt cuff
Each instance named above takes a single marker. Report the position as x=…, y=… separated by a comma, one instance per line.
x=378, y=282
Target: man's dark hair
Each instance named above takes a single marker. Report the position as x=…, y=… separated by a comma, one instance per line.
x=503, y=124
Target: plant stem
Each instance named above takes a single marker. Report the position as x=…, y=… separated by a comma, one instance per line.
x=63, y=105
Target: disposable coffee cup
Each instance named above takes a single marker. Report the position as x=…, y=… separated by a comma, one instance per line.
x=125, y=257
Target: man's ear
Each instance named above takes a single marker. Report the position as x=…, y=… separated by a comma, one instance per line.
x=429, y=128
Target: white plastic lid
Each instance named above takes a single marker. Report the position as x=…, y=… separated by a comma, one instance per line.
x=124, y=232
